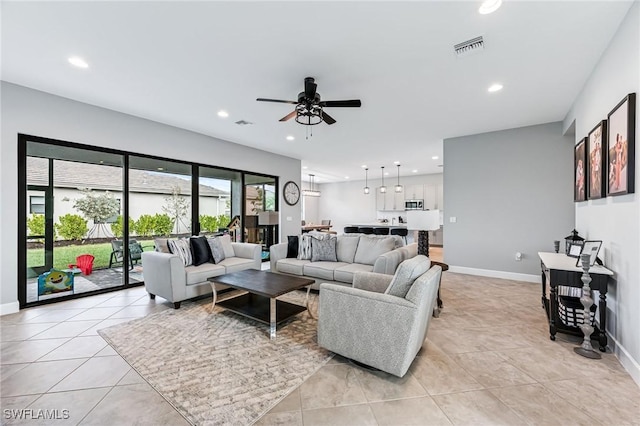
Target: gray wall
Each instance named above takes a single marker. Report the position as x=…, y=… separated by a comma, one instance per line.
x=41, y=114
x=616, y=220
x=510, y=191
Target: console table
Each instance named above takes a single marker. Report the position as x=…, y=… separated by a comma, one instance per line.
x=558, y=269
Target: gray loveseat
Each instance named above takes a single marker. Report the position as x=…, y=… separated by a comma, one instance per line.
x=166, y=276
x=381, y=321
x=355, y=253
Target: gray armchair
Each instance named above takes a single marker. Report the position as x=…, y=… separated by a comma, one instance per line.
x=382, y=320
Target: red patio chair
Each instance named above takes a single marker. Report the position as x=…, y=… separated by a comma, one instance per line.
x=84, y=262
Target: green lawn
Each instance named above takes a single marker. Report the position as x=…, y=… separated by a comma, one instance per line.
x=64, y=256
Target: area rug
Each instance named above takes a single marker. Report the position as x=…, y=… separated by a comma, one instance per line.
x=219, y=368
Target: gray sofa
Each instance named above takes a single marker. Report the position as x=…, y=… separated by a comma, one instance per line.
x=355, y=253
x=166, y=276
x=381, y=321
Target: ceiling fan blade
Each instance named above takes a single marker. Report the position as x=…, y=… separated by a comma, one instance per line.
x=327, y=118
x=310, y=88
x=349, y=103
x=277, y=100
x=289, y=116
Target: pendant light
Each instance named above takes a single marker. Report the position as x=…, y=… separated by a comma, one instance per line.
x=383, y=188
x=366, y=180
x=311, y=192
x=398, y=187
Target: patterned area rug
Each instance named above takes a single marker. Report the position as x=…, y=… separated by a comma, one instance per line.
x=219, y=368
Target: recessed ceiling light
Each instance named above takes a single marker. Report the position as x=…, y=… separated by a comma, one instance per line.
x=396, y=162
x=386, y=173
x=495, y=87
x=222, y=113
x=290, y=138
x=364, y=166
x=489, y=6
x=76, y=61
x=305, y=167
x=414, y=171
x=435, y=157
x=346, y=177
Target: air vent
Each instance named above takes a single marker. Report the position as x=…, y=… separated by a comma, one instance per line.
x=243, y=123
x=470, y=46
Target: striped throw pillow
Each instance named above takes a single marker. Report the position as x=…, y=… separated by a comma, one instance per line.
x=182, y=248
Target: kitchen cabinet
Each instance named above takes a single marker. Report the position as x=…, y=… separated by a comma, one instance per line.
x=414, y=192
x=430, y=197
x=390, y=200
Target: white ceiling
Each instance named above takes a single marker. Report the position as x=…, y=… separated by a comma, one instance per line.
x=181, y=62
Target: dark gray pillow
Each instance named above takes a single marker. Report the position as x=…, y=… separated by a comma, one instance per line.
x=200, y=250
x=323, y=250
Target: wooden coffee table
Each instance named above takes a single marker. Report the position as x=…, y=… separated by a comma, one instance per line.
x=260, y=302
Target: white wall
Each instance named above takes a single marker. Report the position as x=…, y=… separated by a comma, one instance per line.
x=345, y=203
x=41, y=114
x=615, y=220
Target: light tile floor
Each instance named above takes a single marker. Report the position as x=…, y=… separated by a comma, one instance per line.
x=487, y=360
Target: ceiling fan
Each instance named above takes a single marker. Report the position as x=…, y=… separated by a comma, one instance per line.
x=309, y=107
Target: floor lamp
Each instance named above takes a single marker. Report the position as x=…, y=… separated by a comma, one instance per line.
x=423, y=221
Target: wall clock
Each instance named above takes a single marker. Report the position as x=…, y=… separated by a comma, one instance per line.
x=291, y=193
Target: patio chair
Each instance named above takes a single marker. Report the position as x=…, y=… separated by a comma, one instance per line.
x=84, y=262
x=117, y=255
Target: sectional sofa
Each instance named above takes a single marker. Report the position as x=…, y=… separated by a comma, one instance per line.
x=166, y=275
x=354, y=253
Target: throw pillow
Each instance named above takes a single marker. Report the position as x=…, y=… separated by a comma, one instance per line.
x=323, y=250
x=370, y=247
x=292, y=246
x=346, y=246
x=304, y=247
x=182, y=249
x=162, y=245
x=217, y=251
x=200, y=250
x=226, y=246
x=406, y=274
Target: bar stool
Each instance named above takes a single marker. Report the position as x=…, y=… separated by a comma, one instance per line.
x=350, y=229
x=403, y=232
x=365, y=230
x=381, y=231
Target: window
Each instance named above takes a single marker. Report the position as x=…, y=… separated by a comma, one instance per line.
x=36, y=204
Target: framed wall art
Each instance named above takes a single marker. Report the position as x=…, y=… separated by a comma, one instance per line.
x=580, y=169
x=596, y=142
x=621, y=126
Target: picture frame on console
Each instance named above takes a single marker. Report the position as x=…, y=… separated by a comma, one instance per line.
x=621, y=126
x=575, y=249
x=592, y=247
x=596, y=158
x=580, y=171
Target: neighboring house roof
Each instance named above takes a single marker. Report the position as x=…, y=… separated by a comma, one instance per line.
x=68, y=174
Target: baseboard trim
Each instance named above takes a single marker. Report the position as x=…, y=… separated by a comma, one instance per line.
x=496, y=274
x=9, y=308
x=629, y=364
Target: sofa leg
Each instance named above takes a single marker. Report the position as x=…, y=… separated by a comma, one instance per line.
x=152, y=296
x=176, y=305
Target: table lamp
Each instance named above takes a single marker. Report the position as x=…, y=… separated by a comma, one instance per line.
x=423, y=221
